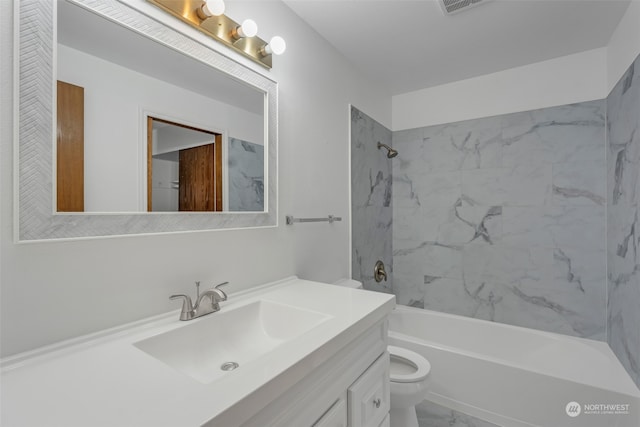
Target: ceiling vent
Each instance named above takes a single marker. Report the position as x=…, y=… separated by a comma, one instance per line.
x=449, y=7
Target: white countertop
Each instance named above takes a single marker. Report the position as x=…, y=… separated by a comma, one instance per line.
x=104, y=380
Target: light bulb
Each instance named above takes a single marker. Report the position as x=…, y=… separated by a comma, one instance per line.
x=249, y=28
x=277, y=45
x=211, y=8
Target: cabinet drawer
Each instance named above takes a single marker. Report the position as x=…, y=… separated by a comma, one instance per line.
x=369, y=398
x=336, y=415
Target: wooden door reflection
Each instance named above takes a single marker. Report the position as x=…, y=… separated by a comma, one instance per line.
x=199, y=171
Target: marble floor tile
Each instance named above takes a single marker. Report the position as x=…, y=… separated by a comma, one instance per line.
x=433, y=415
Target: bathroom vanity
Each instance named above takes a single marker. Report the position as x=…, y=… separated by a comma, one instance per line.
x=289, y=353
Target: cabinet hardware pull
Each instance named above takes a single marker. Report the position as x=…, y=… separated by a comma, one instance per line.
x=377, y=402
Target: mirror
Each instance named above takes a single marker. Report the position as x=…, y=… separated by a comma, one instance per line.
x=113, y=81
x=236, y=105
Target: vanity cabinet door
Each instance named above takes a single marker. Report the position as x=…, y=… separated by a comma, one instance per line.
x=369, y=397
x=336, y=415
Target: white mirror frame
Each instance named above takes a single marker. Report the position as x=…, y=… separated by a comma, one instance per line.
x=35, y=131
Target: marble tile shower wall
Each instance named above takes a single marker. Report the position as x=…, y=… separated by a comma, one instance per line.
x=623, y=164
x=371, y=202
x=246, y=176
x=503, y=218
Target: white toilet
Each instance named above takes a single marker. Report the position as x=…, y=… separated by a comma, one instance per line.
x=409, y=376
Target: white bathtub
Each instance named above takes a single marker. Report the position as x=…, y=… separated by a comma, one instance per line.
x=514, y=376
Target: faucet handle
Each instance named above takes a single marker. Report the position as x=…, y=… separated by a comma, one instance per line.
x=186, y=298
x=187, y=306
x=221, y=291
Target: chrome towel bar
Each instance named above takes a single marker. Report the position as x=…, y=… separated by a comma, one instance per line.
x=330, y=219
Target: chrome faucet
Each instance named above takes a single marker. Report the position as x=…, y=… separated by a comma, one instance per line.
x=190, y=311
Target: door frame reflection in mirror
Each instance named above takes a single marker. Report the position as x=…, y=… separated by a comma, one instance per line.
x=219, y=170
x=35, y=188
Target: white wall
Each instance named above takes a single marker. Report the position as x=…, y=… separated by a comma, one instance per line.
x=164, y=197
x=624, y=46
x=114, y=99
x=175, y=138
x=574, y=78
x=57, y=290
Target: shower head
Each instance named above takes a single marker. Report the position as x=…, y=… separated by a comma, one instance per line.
x=391, y=153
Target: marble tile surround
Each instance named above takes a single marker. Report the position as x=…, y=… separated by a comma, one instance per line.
x=503, y=218
x=623, y=259
x=371, y=201
x=246, y=176
x=529, y=219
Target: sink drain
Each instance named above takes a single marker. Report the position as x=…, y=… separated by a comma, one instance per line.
x=229, y=366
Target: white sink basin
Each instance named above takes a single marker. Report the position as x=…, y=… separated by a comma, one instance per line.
x=226, y=338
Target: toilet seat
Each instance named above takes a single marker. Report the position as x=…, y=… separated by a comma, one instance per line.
x=411, y=358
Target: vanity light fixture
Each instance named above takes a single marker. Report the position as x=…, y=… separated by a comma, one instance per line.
x=208, y=16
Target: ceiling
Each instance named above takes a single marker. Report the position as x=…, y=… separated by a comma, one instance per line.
x=406, y=45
